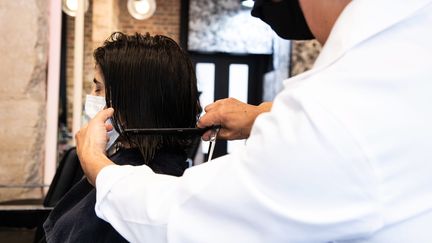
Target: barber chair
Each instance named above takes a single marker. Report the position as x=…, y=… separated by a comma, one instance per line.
x=31, y=213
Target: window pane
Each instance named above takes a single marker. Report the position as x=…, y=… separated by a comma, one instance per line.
x=205, y=73
x=238, y=88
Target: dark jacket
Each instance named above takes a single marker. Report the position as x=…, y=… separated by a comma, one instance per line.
x=74, y=219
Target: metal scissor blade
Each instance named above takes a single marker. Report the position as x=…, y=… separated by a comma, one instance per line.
x=212, y=145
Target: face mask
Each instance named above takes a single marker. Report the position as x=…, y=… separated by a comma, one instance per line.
x=92, y=106
x=284, y=17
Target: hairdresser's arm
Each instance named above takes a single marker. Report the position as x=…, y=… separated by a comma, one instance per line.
x=235, y=117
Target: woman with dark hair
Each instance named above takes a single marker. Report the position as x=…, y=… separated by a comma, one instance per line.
x=150, y=82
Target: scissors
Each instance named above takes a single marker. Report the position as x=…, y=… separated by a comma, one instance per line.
x=213, y=135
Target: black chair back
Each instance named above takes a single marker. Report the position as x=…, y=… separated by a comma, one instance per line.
x=68, y=173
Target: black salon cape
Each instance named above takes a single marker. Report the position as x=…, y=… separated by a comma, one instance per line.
x=74, y=219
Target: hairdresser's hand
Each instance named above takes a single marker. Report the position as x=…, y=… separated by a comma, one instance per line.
x=91, y=141
x=235, y=117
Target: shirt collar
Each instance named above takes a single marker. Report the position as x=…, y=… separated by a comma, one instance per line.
x=362, y=19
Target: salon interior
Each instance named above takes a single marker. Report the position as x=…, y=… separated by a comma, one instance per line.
x=47, y=69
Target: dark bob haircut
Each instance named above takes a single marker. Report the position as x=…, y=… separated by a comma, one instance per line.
x=150, y=82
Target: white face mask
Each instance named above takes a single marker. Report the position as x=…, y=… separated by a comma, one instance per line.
x=92, y=106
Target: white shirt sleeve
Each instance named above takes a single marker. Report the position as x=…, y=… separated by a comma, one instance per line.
x=301, y=178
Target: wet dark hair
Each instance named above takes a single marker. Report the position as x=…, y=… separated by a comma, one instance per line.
x=150, y=82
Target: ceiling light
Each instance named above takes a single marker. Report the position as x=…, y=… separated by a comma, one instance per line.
x=70, y=7
x=248, y=3
x=141, y=9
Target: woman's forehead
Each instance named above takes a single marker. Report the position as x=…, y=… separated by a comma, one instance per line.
x=98, y=76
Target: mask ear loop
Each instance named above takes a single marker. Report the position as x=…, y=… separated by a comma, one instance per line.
x=115, y=146
x=212, y=141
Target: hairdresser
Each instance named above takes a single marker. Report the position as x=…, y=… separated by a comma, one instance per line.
x=343, y=155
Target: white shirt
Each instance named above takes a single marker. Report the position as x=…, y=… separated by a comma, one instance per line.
x=344, y=155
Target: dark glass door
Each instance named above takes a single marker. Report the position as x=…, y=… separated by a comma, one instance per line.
x=222, y=75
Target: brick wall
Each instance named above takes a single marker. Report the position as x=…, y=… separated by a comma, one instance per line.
x=165, y=21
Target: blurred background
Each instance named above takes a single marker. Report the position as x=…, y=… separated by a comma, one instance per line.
x=46, y=69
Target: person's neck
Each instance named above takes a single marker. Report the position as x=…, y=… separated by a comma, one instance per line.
x=321, y=16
